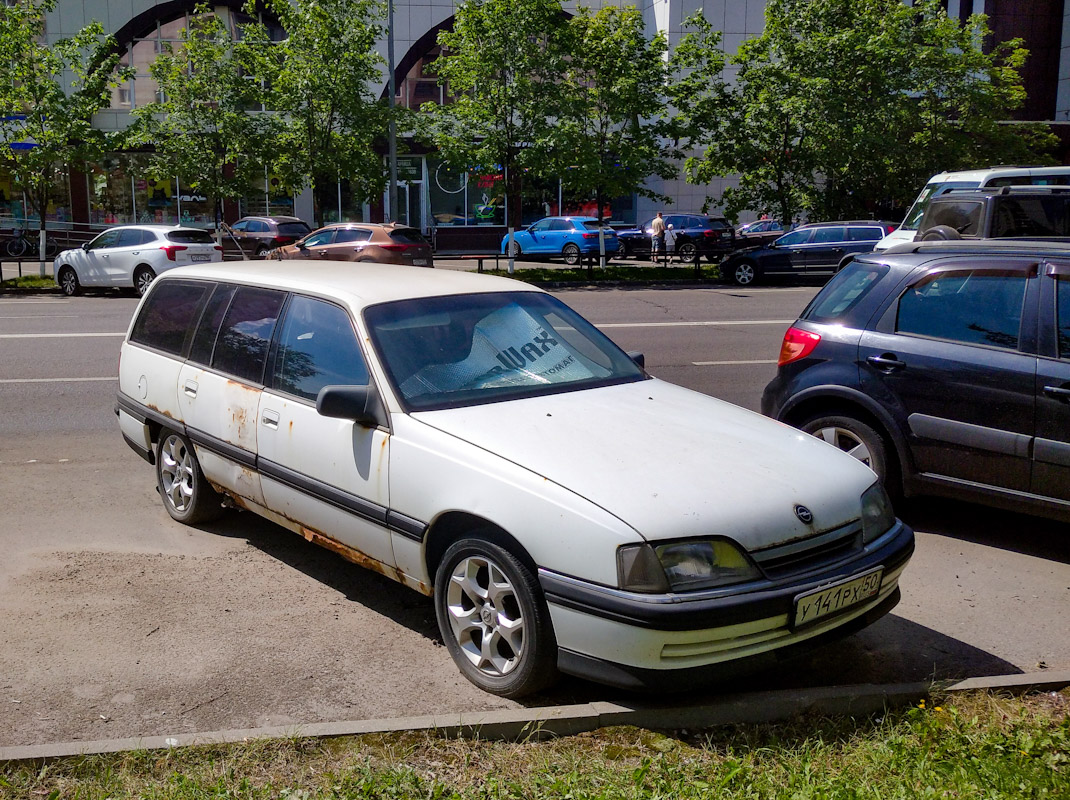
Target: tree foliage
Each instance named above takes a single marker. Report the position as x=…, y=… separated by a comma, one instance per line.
x=842, y=108
x=201, y=128
x=320, y=81
x=500, y=64
x=48, y=96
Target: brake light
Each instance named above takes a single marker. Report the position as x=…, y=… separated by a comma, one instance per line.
x=397, y=248
x=171, y=249
x=219, y=247
x=797, y=344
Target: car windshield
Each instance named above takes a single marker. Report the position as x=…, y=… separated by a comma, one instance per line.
x=917, y=211
x=445, y=352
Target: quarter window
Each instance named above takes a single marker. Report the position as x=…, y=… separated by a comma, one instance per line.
x=969, y=306
x=317, y=348
x=168, y=315
x=242, y=346
x=1063, y=316
x=827, y=235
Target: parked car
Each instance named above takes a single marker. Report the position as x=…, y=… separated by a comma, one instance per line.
x=571, y=238
x=944, y=366
x=475, y=439
x=1027, y=212
x=383, y=243
x=818, y=248
x=760, y=232
x=685, y=234
x=259, y=235
x=131, y=256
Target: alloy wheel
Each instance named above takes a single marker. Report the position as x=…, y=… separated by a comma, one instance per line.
x=176, y=473
x=485, y=616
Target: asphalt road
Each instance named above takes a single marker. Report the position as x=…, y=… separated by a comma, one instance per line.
x=116, y=621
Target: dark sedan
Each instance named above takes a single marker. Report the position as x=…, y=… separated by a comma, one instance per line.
x=815, y=249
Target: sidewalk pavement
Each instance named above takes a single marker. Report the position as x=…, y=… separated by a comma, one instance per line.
x=524, y=723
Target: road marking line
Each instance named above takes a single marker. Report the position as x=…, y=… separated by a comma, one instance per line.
x=36, y=302
x=693, y=324
x=55, y=380
x=55, y=335
x=730, y=363
x=37, y=316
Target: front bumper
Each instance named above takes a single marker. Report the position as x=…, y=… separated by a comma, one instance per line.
x=635, y=641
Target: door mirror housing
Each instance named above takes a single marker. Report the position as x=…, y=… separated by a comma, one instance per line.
x=637, y=357
x=358, y=403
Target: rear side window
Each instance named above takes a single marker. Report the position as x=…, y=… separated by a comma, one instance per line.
x=1032, y=216
x=964, y=216
x=865, y=234
x=844, y=292
x=969, y=306
x=242, y=346
x=168, y=315
x=408, y=236
x=1063, y=315
x=317, y=348
x=352, y=235
x=826, y=235
x=293, y=229
x=204, y=339
x=190, y=236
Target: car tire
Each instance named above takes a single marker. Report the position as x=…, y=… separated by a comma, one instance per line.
x=514, y=250
x=262, y=251
x=186, y=494
x=625, y=249
x=68, y=281
x=940, y=233
x=571, y=253
x=143, y=278
x=858, y=439
x=481, y=590
x=742, y=273
x=686, y=252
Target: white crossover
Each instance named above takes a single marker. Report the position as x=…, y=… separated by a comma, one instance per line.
x=477, y=440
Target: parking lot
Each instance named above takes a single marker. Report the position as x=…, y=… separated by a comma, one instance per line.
x=117, y=621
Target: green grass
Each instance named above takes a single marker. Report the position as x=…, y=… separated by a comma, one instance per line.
x=976, y=746
x=28, y=282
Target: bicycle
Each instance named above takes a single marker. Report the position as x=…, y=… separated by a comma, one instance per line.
x=20, y=245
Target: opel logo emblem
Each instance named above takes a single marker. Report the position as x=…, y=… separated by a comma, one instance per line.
x=804, y=514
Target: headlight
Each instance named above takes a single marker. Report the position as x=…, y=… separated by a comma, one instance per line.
x=877, y=513
x=683, y=566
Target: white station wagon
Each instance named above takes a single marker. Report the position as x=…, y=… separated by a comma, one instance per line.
x=475, y=439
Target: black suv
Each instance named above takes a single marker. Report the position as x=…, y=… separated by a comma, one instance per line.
x=945, y=366
x=713, y=237
x=1024, y=212
x=818, y=248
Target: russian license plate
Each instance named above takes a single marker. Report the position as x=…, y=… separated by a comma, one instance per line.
x=198, y=258
x=419, y=262
x=829, y=600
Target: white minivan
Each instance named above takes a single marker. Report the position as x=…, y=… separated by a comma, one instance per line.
x=475, y=439
x=970, y=179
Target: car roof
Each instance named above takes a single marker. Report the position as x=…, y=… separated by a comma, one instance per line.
x=844, y=222
x=998, y=191
x=273, y=218
x=154, y=226
x=379, y=225
x=357, y=285
x=1005, y=246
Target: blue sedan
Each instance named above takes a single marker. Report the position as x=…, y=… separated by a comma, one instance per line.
x=568, y=237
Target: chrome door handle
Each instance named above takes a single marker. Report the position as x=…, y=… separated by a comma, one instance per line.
x=1058, y=392
x=190, y=388
x=270, y=419
x=886, y=362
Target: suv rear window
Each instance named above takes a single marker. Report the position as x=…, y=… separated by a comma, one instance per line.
x=168, y=315
x=844, y=292
x=293, y=229
x=190, y=236
x=963, y=216
x=408, y=236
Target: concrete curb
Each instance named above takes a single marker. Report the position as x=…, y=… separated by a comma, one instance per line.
x=755, y=707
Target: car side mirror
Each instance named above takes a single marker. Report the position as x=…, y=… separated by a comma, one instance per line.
x=301, y=245
x=85, y=246
x=637, y=357
x=358, y=403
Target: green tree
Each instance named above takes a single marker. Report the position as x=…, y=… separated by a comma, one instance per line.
x=612, y=118
x=500, y=64
x=48, y=96
x=842, y=108
x=320, y=81
x=201, y=129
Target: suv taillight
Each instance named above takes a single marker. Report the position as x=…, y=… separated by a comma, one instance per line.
x=171, y=249
x=797, y=344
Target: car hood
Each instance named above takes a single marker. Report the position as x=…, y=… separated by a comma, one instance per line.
x=671, y=462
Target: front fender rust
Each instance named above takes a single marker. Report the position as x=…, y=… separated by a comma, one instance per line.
x=361, y=559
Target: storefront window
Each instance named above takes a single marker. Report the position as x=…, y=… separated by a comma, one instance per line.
x=486, y=198
x=15, y=208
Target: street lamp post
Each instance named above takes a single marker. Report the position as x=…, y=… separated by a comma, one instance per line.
x=392, y=192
